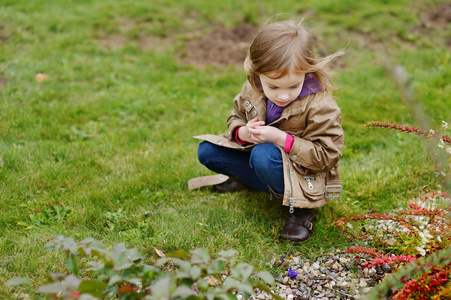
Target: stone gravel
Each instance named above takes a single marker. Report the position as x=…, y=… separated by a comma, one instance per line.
x=335, y=275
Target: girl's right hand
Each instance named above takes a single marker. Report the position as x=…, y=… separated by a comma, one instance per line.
x=244, y=133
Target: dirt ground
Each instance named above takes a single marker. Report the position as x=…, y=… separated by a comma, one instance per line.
x=229, y=46
x=221, y=46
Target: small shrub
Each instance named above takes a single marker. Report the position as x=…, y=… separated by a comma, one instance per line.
x=415, y=242
x=121, y=273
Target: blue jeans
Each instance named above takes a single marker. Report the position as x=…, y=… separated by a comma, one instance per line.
x=258, y=169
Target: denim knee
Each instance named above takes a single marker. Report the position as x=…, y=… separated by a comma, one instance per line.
x=265, y=157
x=204, y=152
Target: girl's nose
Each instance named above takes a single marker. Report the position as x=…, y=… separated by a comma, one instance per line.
x=283, y=96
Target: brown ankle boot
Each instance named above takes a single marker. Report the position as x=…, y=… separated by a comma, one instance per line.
x=230, y=185
x=299, y=226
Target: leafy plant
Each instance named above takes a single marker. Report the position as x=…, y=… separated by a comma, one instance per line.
x=49, y=215
x=122, y=273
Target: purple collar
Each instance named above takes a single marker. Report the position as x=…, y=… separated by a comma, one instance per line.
x=311, y=86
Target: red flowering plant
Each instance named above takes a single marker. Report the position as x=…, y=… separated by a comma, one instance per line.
x=393, y=241
x=414, y=242
x=421, y=228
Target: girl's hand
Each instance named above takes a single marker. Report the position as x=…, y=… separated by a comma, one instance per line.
x=267, y=134
x=244, y=132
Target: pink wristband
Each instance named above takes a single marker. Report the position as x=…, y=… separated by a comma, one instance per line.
x=237, y=138
x=288, y=143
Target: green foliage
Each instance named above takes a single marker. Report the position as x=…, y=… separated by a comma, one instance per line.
x=122, y=273
x=50, y=215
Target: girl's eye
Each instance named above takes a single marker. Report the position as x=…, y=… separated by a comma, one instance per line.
x=273, y=87
x=294, y=87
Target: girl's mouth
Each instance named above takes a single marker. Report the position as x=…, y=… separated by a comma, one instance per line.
x=281, y=103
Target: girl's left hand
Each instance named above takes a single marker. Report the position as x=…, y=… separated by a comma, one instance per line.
x=268, y=134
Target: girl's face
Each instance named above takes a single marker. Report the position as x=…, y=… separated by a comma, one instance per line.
x=284, y=90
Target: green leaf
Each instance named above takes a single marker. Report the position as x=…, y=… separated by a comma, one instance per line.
x=245, y=289
x=123, y=266
x=186, y=282
x=133, y=280
x=114, y=279
x=232, y=297
x=87, y=240
x=266, y=277
x=230, y=283
x=51, y=288
x=193, y=297
x=217, y=267
x=72, y=282
x=91, y=285
x=199, y=256
x=72, y=264
x=178, y=254
x=28, y=226
x=183, y=264
x=161, y=289
x=202, y=284
x=242, y=271
x=183, y=291
x=18, y=281
x=228, y=253
x=195, y=272
x=161, y=261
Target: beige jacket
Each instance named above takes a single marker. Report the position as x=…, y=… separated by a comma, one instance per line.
x=315, y=123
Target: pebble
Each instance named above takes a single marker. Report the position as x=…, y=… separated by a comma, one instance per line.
x=362, y=283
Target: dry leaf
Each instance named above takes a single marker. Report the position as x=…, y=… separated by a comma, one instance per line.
x=159, y=252
x=211, y=281
x=40, y=77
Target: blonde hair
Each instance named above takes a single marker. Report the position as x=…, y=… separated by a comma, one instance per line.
x=285, y=47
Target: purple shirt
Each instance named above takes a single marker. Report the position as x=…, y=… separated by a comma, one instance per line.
x=311, y=86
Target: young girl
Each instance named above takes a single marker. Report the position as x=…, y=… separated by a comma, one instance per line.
x=285, y=136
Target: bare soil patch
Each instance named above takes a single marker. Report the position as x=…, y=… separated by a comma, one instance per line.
x=229, y=46
x=2, y=83
x=4, y=36
x=222, y=46
x=113, y=41
x=439, y=17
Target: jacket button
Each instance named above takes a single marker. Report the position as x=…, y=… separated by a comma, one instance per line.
x=254, y=113
x=294, y=157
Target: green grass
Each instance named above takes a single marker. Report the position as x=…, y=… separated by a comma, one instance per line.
x=104, y=147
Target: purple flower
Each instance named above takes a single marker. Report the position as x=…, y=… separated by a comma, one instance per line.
x=292, y=273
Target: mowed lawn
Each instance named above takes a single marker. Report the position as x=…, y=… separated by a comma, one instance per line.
x=99, y=101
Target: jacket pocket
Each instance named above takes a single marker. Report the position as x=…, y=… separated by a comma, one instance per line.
x=313, y=186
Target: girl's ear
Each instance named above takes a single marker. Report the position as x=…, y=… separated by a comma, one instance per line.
x=254, y=80
x=258, y=82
